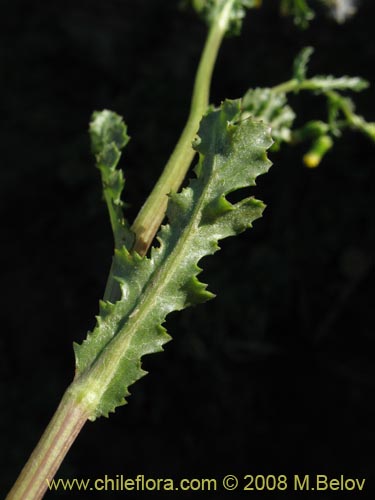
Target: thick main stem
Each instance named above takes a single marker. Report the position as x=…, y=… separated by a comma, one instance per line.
x=54, y=444
x=153, y=211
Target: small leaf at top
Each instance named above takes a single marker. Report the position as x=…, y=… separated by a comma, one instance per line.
x=107, y=127
x=108, y=134
x=301, y=62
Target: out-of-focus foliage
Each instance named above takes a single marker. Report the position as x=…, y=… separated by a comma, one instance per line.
x=272, y=105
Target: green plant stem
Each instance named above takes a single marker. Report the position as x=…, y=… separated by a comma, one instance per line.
x=329, y=89
x=114, y=217
x=347, y=110
x=54, y=444
x=112, y=290
x=72, y=413
x=153, y=211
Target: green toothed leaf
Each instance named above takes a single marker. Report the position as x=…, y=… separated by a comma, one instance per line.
x=328, y=82
x=109, y=136
x=232, y=153
x=107, y=127
x=325, y=82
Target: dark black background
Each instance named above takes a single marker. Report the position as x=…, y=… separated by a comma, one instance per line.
x=275, y=376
